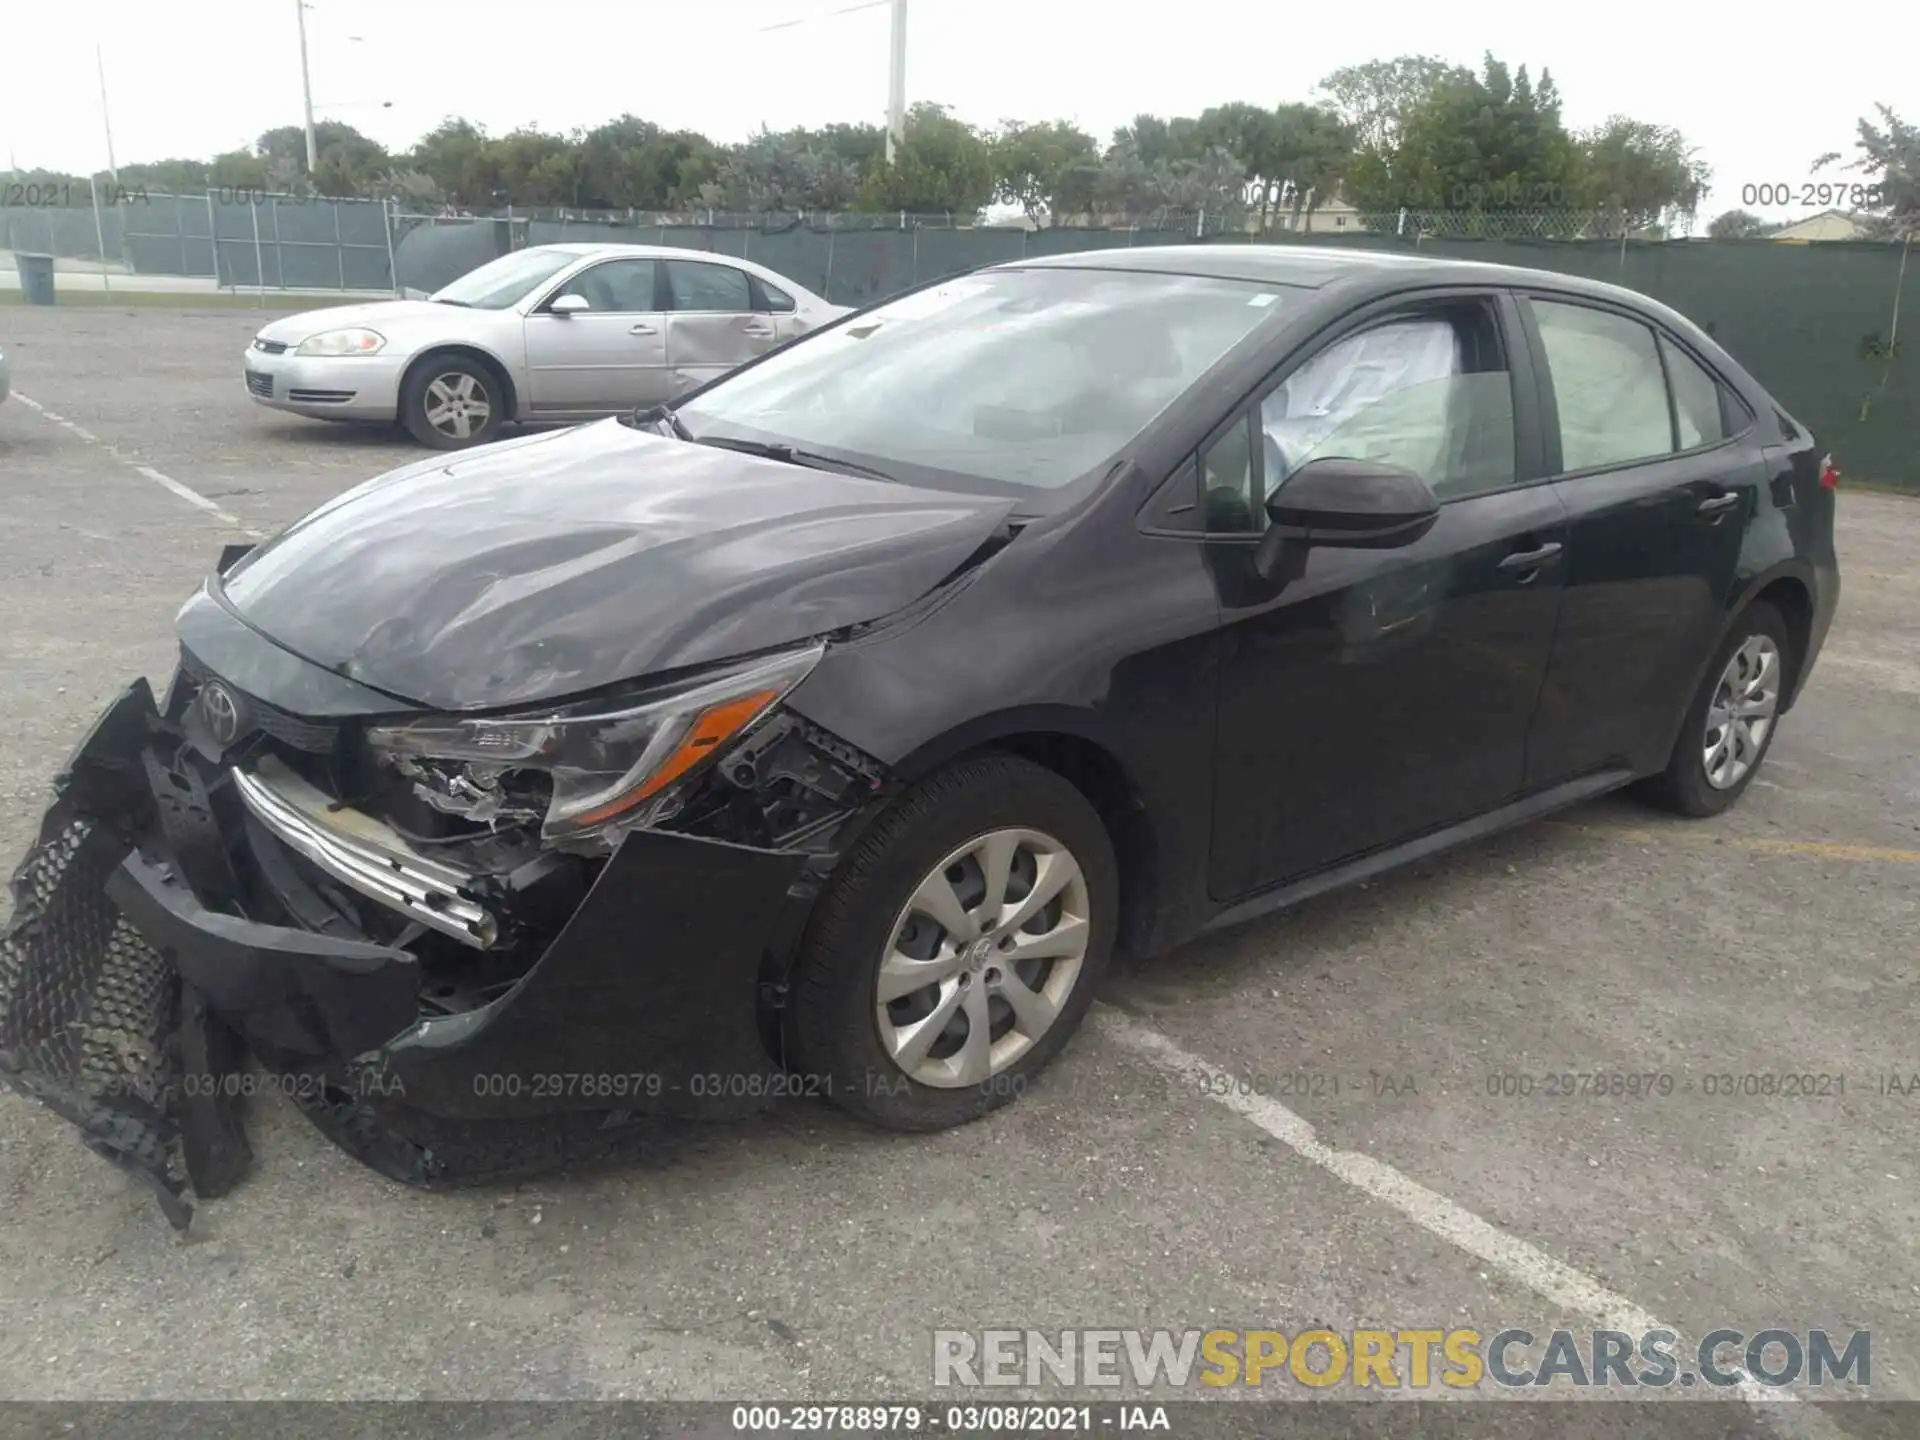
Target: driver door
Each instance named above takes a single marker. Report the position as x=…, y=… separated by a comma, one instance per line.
x=1370, y=695
x=610, y=356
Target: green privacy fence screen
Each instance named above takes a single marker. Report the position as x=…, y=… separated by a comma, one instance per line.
x=1816, y=323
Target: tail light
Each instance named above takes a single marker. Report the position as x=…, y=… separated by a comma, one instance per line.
x=1829, y=474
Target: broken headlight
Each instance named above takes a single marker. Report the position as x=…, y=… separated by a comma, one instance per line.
x=612, y=762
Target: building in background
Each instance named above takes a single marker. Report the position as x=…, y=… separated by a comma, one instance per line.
x=1827, y=225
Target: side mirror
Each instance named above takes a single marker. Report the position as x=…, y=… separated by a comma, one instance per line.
x=1352, y=504
x=567, y=305
x=1359, y=504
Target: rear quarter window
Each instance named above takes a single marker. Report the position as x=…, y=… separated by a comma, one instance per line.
x=1698, y=407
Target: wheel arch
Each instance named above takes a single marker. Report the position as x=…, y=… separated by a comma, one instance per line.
x=1790, y=594
x=1071, y=743
x=1788, y=587
x=502, y=375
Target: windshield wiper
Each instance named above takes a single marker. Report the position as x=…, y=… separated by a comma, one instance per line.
x=660, y=415
x=789, y=455
x=442, y=300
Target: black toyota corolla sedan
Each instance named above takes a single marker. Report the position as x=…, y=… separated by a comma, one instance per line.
x=829, y=732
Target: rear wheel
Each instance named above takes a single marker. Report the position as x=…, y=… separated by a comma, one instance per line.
x=1732, y=720
x=452, y=401
x=958, y=948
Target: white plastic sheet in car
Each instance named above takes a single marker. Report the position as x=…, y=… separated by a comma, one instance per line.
x=1341, y=382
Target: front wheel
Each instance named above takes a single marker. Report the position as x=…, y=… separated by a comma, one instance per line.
x=450, y=402
x=957, y=948
x=1731, y=723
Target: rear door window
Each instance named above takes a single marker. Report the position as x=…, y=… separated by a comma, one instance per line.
x=698, y=285
x=1608, y=386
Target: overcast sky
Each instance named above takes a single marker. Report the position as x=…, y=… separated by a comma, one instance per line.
x=191, y=77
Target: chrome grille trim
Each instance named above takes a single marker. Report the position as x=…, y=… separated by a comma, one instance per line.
x=360, y=851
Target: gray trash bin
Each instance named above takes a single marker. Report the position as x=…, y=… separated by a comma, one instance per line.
x=36, y=278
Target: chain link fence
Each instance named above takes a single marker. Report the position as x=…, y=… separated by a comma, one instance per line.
x=247, y=239
x=1818, y=321
x=239, y=239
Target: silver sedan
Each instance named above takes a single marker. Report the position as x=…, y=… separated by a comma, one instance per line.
x=548, y=333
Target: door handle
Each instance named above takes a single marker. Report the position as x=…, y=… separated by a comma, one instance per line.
x=1720, y=502
x=1547, y=554
x=642, y=329
x=759, y=332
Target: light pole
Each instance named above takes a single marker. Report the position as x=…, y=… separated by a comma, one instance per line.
x=306, y=88
x=897, y=80
x=106, y=120
x=896, y=65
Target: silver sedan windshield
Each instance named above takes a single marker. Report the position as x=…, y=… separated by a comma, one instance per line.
x=501, y=283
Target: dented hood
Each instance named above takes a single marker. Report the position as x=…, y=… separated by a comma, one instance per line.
x=561, y=562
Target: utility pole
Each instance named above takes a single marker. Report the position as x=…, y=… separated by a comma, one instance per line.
x=896, y=67
x=897, y=81
x=306, y=88
x=100, y=65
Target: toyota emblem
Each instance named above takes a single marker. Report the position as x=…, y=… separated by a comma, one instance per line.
x=222, y=712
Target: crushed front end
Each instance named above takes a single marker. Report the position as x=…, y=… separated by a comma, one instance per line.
x=449, y=982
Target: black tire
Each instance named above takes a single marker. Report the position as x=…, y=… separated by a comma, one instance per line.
x=1683, y=786
x=831, y=1029
x=459, y=371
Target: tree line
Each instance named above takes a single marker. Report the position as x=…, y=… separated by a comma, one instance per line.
x=1411, y=132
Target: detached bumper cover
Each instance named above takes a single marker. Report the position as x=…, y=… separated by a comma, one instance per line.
x=88, y=1007
x=125, y=997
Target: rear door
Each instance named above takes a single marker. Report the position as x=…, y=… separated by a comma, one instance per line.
x=611, y=356
x=712, y=324
x=1659, y=467
x=781, y=309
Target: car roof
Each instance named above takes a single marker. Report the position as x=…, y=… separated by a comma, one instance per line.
x=608, y=247
x=1315, y=267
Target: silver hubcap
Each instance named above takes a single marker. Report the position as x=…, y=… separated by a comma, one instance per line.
x=982, y=958
x=1742, y=711
x=457, y=406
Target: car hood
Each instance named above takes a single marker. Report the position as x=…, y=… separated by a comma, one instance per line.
x=556, y=563
x=375, y=314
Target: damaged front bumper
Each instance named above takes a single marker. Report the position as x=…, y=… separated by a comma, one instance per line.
x=137, y=968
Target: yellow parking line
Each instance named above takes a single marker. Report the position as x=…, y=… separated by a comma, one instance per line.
x=1759, y=845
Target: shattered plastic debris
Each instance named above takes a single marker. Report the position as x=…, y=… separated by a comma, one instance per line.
x=87, y=1006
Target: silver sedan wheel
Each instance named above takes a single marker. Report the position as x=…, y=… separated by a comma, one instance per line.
x=457, y=406
x=982, y=958
x=1742, y=711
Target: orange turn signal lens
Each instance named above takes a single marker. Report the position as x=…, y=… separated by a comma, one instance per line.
x=710, y=730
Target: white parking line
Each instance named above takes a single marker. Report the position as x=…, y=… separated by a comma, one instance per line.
x=166, y=482
x=1526, y=1264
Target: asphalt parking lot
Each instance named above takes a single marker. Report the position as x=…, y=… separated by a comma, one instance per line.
x=801, y=1256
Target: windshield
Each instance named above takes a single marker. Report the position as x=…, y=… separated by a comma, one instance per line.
x=499, y=283
x=1031, y=378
